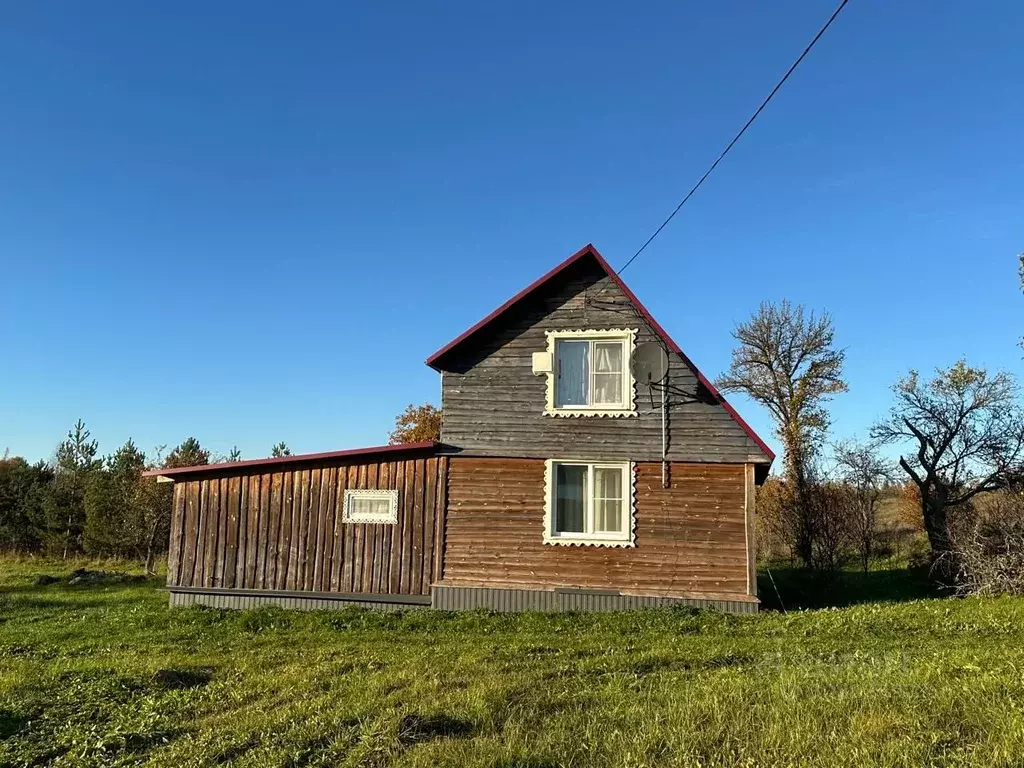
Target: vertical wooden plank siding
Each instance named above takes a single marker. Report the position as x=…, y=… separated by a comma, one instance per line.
x=243, y=502
x=442, y=520
x=340, y=530
x=177, y=529
x=749, y=507
x=284, y=541
x=233, y=486
x=186, y=572
x=691, y=538
x=285, y=530
x=218, y=502
x=273, y=531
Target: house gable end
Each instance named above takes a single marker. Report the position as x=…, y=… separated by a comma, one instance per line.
x=494, y=405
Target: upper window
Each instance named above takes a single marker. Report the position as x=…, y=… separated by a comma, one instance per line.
x=589, y=503
x=371, y=506
x=590, y=373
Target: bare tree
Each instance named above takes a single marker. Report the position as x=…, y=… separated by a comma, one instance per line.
x=1020, y=274
x=830, y=507
x=968, y=431
x=786, y=361
x=866, y=474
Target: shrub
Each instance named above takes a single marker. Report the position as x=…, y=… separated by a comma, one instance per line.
x=988, y=547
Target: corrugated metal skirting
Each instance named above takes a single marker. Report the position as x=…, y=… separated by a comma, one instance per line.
x=507, y=600
x=241, y=602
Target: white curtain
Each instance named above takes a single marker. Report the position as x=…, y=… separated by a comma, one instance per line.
x=573, y=373
x=608, y=373
x=367, y=507
x=607, y=499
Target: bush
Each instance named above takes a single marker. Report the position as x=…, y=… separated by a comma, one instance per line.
x=988, y=547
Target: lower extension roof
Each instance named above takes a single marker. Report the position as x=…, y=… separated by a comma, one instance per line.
x=182, y=473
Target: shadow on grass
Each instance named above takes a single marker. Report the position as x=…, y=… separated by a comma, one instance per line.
x=61, y=587
x=803, y=588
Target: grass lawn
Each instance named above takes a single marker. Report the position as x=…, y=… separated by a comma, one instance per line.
x=109, y=675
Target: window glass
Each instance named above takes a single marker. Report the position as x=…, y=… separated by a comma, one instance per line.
x=608, y=373
x=573, y=373
x=590, y=502
x=369, y=507
x=608, y=499
x=570, y=498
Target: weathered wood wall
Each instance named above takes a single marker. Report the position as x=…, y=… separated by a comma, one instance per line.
x=691, y=539
x=493, y=403
x=283, y=529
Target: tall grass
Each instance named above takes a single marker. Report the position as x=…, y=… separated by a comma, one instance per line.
x=109, y=675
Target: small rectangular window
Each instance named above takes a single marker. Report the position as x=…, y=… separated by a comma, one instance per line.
x=589, y=503
x=371, y=506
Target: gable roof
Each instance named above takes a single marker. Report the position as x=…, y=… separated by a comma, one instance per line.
x=589, y=251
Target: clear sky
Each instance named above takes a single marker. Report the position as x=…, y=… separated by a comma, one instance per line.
x=252, y=222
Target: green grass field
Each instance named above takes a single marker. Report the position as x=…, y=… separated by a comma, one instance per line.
x=109, y=675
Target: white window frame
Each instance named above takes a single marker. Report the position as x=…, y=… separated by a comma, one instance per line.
x=624, y=538
x=628, y=407
x=391, y=517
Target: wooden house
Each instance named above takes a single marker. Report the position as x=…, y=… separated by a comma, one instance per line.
x=559, y=482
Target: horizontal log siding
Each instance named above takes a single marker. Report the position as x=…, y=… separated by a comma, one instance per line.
x=283, y=530
x=690, y=538
x=493, y=403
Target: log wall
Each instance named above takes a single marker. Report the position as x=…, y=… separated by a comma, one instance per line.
x=283, y=530
x=691, y=539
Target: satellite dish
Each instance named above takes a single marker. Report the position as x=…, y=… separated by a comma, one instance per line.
x=649, y=363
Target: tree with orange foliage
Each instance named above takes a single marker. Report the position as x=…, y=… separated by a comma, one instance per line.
x=416, y=424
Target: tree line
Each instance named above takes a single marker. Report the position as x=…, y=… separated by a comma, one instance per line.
x=83, y=503
x=959, y=434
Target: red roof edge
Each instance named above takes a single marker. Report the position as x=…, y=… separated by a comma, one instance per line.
x=352, y=453
x=590, y=250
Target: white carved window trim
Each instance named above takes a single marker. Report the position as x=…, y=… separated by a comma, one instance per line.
x=626, y=538
x=628, y=337
x=349, y=516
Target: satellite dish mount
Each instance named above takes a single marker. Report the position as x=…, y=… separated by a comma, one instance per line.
x=649, y=366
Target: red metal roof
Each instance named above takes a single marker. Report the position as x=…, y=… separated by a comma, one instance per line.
x=591, y=251
x=352, y=453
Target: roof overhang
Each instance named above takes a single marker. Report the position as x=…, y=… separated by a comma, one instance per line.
x=435, y=361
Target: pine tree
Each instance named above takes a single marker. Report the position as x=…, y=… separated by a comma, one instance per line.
x=115, y=522
x=23, y=489
x=188, y=454
x=74, y=464
x=279, y=450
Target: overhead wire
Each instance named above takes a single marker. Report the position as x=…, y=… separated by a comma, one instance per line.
x=739, y=135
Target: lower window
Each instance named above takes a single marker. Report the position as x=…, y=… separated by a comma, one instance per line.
x=589, y=503
x=368, y=506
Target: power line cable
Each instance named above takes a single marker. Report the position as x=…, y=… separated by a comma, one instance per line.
x=737, y=137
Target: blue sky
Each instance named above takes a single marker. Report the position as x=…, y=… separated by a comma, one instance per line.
x=252, y=222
